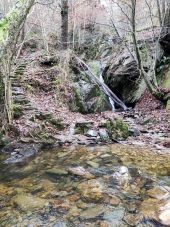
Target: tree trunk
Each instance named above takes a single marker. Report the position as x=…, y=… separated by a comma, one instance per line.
x=8, y=50
x=159, y=12
x=64, y=24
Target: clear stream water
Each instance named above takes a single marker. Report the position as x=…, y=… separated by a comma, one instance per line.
x=114, y=185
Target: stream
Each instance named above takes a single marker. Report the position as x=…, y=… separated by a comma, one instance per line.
x=105, y=186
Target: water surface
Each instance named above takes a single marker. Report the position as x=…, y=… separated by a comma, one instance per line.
x=114, y=185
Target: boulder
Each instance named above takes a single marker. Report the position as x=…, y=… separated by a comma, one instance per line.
x=123, y=78
x=87, y=95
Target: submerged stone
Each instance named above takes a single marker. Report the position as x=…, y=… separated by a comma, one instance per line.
x=56, y=172
x=93, y=164
x=28, y=202
x=92, y=212
x=114, y=215
x=91, y=190
x=80, y=171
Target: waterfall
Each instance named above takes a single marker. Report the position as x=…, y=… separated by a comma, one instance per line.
x=100, y=82
x=112, y=103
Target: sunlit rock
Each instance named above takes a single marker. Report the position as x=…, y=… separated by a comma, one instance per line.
x=80, y=171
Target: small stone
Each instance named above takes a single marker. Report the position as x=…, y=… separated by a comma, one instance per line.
x=56, y=172
x=80, y=171
x=92, y=212
x=93, y=164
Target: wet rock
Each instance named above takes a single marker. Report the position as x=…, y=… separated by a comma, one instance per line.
x=80, y=171
x=91, y=133
x=28, y=202
x=121, y=177
x=56, y=172
x=20, y=151
x=92, y=212
x=91, y=190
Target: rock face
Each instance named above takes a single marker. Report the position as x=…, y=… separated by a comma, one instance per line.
x=123, y=78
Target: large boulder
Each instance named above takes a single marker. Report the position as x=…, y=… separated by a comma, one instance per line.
x=123, y=78
x=87, y=95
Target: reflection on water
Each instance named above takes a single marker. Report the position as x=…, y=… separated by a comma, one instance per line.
x=101, y=186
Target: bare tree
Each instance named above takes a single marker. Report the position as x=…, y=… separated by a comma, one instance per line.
x=64, y=23
x=14, y=24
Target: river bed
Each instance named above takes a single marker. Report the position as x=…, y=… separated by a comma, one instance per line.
x=105, y=186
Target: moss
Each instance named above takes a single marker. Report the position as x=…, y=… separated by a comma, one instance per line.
x=3, y=141
x=78, y=101
x=17, y=110
x=168, y=105
x=58, y=123
x=5, y=23
x=47, y=117
x=117, y=128
x=1, y=90
x=166, y=83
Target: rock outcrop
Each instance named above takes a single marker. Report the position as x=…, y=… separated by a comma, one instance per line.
x=123, y=78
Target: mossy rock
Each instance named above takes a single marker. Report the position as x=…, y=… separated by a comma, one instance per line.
x=117, y=129
x=47, y=117
x=88, y=98
x=83, y=127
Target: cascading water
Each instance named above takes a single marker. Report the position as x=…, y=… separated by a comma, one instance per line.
x=112, y=103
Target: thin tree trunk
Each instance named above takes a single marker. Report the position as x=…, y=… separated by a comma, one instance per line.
x=64, y=24
x=8, y=52
x=159, y=12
